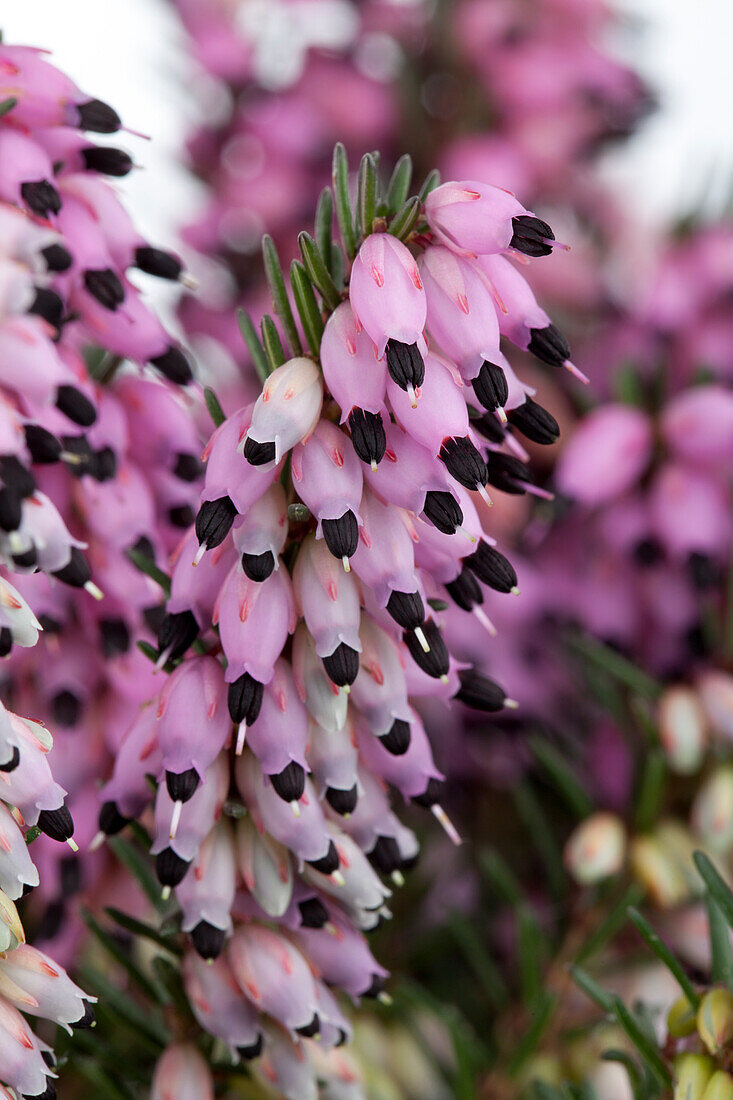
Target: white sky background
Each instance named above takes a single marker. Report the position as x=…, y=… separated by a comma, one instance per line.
x=130, y=53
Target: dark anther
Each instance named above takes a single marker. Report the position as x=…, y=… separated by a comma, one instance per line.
x=342, y=666
x=49, y=305
x=17, y=476
x=208, y=940
x=490, y=427
x=98, y=117
x=507, y=473
x=436, y=661
x=170, y=868
x=313, y=913
x=174, y=365
x=340, y=801
x=74, y=404
x=253, y=1050
x=310, y=1029
x=465, y=590
x=648, y=552
x=26, y=559
x=145, y=547
x=214, y=520
x=704, y=571
x=367, y=435
x=103, y=466
x=43, y=446
x=71, y=875
x=479, y=692
x=492, y=568
x=405, y=364
x=105, y=286
x=11, y=509
x=157, y=262
x=407, y=609
x=110, y=820
x=397, y=739
x=443, y=511
x=77, y=573
x=115, y=637
x=79, y=447
x=258, y=454
x=549, y=345
x=87, y=1019
x=326, y=864
x=431, y=795
x=385, y=855
x=57, y=257
x=535, y=422
x=182, y=785
x=42, y=197
x=182, y=515
x=176, y=633
x=66, y=708
x=464, y=462
x=245, y=699
x=107, y=160
x=376, y=986
x=490, y=386
x=187, y=467
x=258, y=567
x=58, y=824
x=289, y=784
x=531, y=236
x=11, y=764
x=341, y=535
x=49, y=1093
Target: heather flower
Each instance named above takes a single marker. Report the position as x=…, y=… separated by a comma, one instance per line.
x=182, y=1072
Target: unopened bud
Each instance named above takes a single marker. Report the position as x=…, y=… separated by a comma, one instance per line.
x=716, y=696
x=662, y=863
x=681, y=1019
x=288, y=408
x=596, y=849
x=183, y=1073
x=11, y=929
x=719, y=1087
x=682, y=729
x=715, y=1019
x=691, y=1075
x=712, y=810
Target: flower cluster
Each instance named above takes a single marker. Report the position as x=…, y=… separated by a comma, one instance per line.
x=31, y=801
x=339, y=512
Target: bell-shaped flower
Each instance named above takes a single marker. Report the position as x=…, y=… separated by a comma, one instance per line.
x=182, y=1072
x=286, y=412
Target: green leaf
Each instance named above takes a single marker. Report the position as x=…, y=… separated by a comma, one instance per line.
x=140, y=928
x=323, y=227
x=500, y=876
x=276, y=282
x=531, y=949
x=305, y=300
x=651, y=789
x=169, y=975
x=271, y=342
x=542, y=1012
x=541, y=1090
x=398, y=187
x=541, y=834
x=33, y=834
x=338, y=264
x=254, y=345
x=431, y=182
x=102, y=1082
x=715, y=884
x=616, y=666
x=146, y=1025
x=591, y=988
x=147, y=565
x=7, y=105
x=343, y=199
x=113, y=948
x=214, y=408
x=611, y=924
x=138, y=863
x=405, y=219
x=152, y=653
x=647, y=1049
x=557, y=769
x=478, y=958
x=366, y=194
x=664, y=954
x=721, y=964
x=317, y=270
x=438, y=605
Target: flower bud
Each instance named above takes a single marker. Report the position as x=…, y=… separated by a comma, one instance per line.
x=662, y=862
x=716, y=696
x=681, y=1018
x=715, y=1019
x=691, y=1075
x=386, y=294
x=266, y=868
x=181, y=1072
x=719, y=1087
x=483, y=219
x=596, y=849
x=712, y=810
x=287, y=410
x=355, y=374
x=11, y=930
x=682, y=729
x=605, y=455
